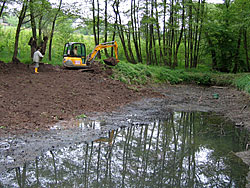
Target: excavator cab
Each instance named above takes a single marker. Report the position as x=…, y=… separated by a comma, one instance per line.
x=74, y=55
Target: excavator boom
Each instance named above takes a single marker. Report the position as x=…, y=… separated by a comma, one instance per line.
x=110, y=61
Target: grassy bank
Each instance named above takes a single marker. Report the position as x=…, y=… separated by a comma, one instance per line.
x=243, y=83
x=143, y=74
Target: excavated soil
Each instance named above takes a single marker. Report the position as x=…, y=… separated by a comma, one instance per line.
x=31, y=101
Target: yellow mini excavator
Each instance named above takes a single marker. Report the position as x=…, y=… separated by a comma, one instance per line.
x=74, y=55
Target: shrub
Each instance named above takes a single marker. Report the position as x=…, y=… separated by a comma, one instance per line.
x=243, y=83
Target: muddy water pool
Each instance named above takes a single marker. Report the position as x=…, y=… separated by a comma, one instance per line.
x=184, y=149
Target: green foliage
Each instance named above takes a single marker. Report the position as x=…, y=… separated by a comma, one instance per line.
x=143, y=74
x=12, y=20
x=243, y=83
x=168, y=76
x=82, y=116
x=224, y=26
x=131, y=74
x=7, y=40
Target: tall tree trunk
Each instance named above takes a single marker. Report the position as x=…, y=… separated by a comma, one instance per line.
x=164, y=31
x=18, y=30
x=115, y=27
x=53, y=28
x=33, y=40
x=196, y=31
x=32, y=19
x=151, y=33
x=106, y=26
x=94, y=22
x=175, y=64
x=155, y=52
x=200, y=31
x=190, y=34
x=98, y=22
x=134, y=30
x=139, y=32
x=129, y=47
x=147, y=36
x=158, y=31
x=246, y=49
x=171, y=33
x=121, y=31
x=2, y=7
x=96, y=25
x=185, y=47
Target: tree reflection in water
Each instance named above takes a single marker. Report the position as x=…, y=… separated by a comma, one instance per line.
x=187, y=150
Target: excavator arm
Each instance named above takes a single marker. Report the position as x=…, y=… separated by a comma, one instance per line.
x=110, y=61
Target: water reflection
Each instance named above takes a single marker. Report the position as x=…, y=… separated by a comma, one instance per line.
x=187, y=150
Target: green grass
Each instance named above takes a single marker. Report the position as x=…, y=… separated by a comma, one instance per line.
x=142, y=74
x=82, y=116
x=137, y=74
x=243, y=82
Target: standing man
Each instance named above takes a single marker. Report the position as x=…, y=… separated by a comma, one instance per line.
x=36, y=59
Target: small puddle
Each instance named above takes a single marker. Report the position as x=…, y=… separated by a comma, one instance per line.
x=184, y=150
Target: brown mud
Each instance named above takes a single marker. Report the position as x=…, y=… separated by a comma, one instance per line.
x=31, y=101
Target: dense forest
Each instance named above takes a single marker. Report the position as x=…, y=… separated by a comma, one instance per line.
x=169, y=33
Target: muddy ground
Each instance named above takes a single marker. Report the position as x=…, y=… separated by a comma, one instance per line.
x=31, y=103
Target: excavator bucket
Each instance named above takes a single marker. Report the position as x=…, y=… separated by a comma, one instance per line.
x=111, y=61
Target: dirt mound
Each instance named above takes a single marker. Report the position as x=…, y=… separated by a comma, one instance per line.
x=99, y=68
x=31, y=101
x=11, y=68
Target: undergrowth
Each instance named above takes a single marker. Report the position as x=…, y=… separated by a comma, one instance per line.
x=243, y=83
x=137, y=74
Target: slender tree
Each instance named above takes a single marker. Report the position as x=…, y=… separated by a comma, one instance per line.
x=2, y=8
x=33, y=39
x=106, y=26
x=96, y=24
x=134, y=30
x=32, y=19
x=190, y=34
x=158, y=30
x=164, y=32
x=175, y=64
x=121, y=32
x=246, y=48
x=94, y=21
x=18, y=29
x=151, y=33
x=53, y=28
x=115, y=26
